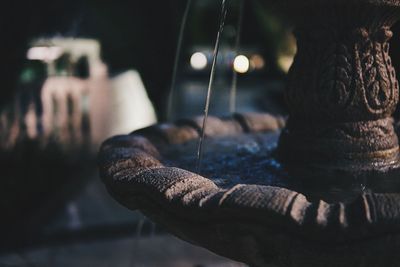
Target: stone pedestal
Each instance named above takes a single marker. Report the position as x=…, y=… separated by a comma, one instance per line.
x=342, y=87
x=341, y=207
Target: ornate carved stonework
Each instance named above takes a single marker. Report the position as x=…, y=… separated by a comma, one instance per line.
x=342, y=91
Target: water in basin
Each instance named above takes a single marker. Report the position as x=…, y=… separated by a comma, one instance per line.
x=251, y=159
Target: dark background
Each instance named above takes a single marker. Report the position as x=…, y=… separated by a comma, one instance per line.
x=133, y=34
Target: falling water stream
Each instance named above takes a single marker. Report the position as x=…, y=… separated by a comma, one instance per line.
x=177, y=58
x=224, y=10
x=233, y=93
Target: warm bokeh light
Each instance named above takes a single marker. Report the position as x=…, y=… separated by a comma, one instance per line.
x=241, y=64
x=257, y=62
x=285, y=62
x=198, y=61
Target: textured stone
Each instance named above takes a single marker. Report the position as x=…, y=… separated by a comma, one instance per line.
x=255, y=224
x=342, y=87
x=342, y=91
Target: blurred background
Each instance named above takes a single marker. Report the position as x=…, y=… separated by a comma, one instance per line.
x=79, y=71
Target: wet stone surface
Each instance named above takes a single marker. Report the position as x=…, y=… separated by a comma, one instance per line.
x=251, y=159
x=231, y=160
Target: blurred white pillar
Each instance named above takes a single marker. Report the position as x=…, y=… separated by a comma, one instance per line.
x=123, y=108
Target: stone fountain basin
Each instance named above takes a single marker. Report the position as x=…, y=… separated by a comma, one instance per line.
x=261, y=222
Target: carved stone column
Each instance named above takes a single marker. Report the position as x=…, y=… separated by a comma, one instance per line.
x=342, y=87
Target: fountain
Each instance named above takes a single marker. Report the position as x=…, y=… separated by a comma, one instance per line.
x=320, y=189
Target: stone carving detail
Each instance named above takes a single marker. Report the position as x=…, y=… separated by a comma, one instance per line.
x=335, y=77
x=380, y=85
x=345, y=76
x=342, y=80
